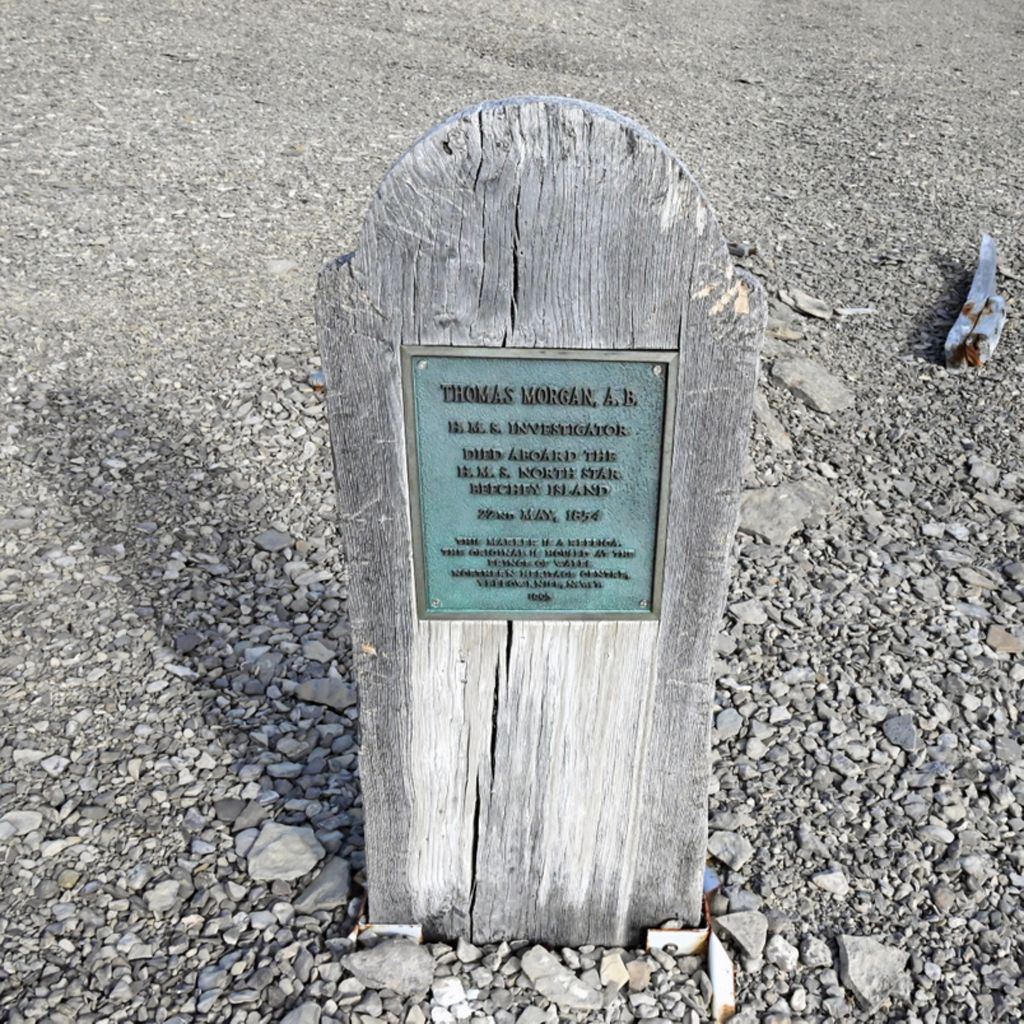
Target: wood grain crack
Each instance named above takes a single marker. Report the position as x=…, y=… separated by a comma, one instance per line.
x=515, y=262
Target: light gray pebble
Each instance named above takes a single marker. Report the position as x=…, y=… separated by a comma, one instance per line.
x=900, y=731
x=273, y=540
x=730, y=848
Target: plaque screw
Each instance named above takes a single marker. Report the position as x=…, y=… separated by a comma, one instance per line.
x=657, y=371
x=643, y=604
x=421, y=365
x=435, y=603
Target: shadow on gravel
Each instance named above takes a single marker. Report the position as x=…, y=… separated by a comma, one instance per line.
x=151, y=496
x=927, y=333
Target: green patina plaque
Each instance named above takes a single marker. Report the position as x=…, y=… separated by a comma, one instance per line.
x=538, y=480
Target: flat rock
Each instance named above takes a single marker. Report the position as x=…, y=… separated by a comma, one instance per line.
x=273, y=540
x=833, y=880
x=900, y=731
x=20, y=823
x=814, y=952
x=251, y=815
x=277, y=268
x=774, y=514
x=163, y=896
x=984, y=472
x=467, y=952
x=328, y=891
x=639, y=972
x=613, y=971
x=748, y=929
x=532, y=1015
x=749, y=613
x=807, y=304
x=812, y=384
x=304, y=1013
x=317, y=650
x=873, y=972
x=730, y=848
x=448, y=991
x=402, y=966
x=228, y=808
x=332, y=693
x=283, y=852
x=782, y=954
x=770, y=423
x=187, y=641
x=556, y=982
x=1003, y=641
x=784, y=330
x=728, y=723
x=54, y=765
x=28, y=755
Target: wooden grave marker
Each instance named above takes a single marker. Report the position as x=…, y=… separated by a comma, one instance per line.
x=540, y=289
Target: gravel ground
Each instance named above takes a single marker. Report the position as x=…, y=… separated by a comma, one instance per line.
x=179, y=738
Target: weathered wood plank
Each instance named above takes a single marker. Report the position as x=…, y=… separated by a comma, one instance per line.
x=537, y=223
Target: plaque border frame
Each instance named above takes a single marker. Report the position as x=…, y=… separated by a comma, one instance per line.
x=668, y=357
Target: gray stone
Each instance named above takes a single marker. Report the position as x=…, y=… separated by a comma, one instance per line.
x=812, y=384
x=163, y=896
x=54, y=765
x=984, y=473
x=139, y=876
x=639, y=972
x=783, y=954
x=304, y=1013
x=187, y=641
x=467, y=952
x=28, y=755
x=774, y=514
x=371, y=1005
x=943, y=897
x=532, y=1015
x=273, y=541
x=448, y=991
x=252, y=814
x=728, y=723
x=317, y=650
x=278, y=268
x=742, y=899
x=873, y=972
x=730, y=848
x=770, y=423
x=399, y=965
x=1002, y=641
x=20, y=823
x=228, y=809
x=749, y=613
x=332, y=693
x=809, y=305
x=283, y=852
x=900, y=731
x=832, y=880
x=350, y=990
x=783, y=330
x=557, y=983
x=747, y=929
x=613, y=971
x=328, y=891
